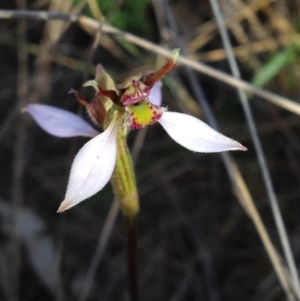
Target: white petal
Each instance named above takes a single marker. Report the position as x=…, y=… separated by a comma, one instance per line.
x=155, y=94
x=58, y=122
x=92, y=168
x=196, y=135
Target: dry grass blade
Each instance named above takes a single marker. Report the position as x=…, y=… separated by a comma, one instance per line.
x=236, y=178
x=247, y=202
x=260, y=154
x=91, y=26
x=208, y=30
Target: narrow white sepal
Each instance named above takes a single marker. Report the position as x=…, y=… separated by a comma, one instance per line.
x=92, y=168
x=58, y=122
x=196, y=135
x=155, y=96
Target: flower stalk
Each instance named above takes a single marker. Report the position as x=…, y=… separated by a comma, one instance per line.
x=123, y=178
x=132, y=258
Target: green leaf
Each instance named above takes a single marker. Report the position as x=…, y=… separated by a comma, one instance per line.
x=274, y=65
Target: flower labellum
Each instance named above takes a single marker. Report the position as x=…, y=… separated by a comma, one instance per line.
x=143, y=113
x=133, y=104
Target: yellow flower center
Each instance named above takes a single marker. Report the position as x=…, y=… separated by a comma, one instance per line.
x=143, y=113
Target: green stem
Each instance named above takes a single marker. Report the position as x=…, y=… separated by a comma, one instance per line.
x=131, y=257
x=124, y=185
x=123, y=179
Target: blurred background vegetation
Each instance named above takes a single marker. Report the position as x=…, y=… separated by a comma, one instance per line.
x=196, y=240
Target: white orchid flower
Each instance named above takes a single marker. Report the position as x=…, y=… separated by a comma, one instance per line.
x=94, y=164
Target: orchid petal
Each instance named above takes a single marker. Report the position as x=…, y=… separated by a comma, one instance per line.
x=196, y=135
x=155, y=94
x=58, y=122
x=92, y=168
